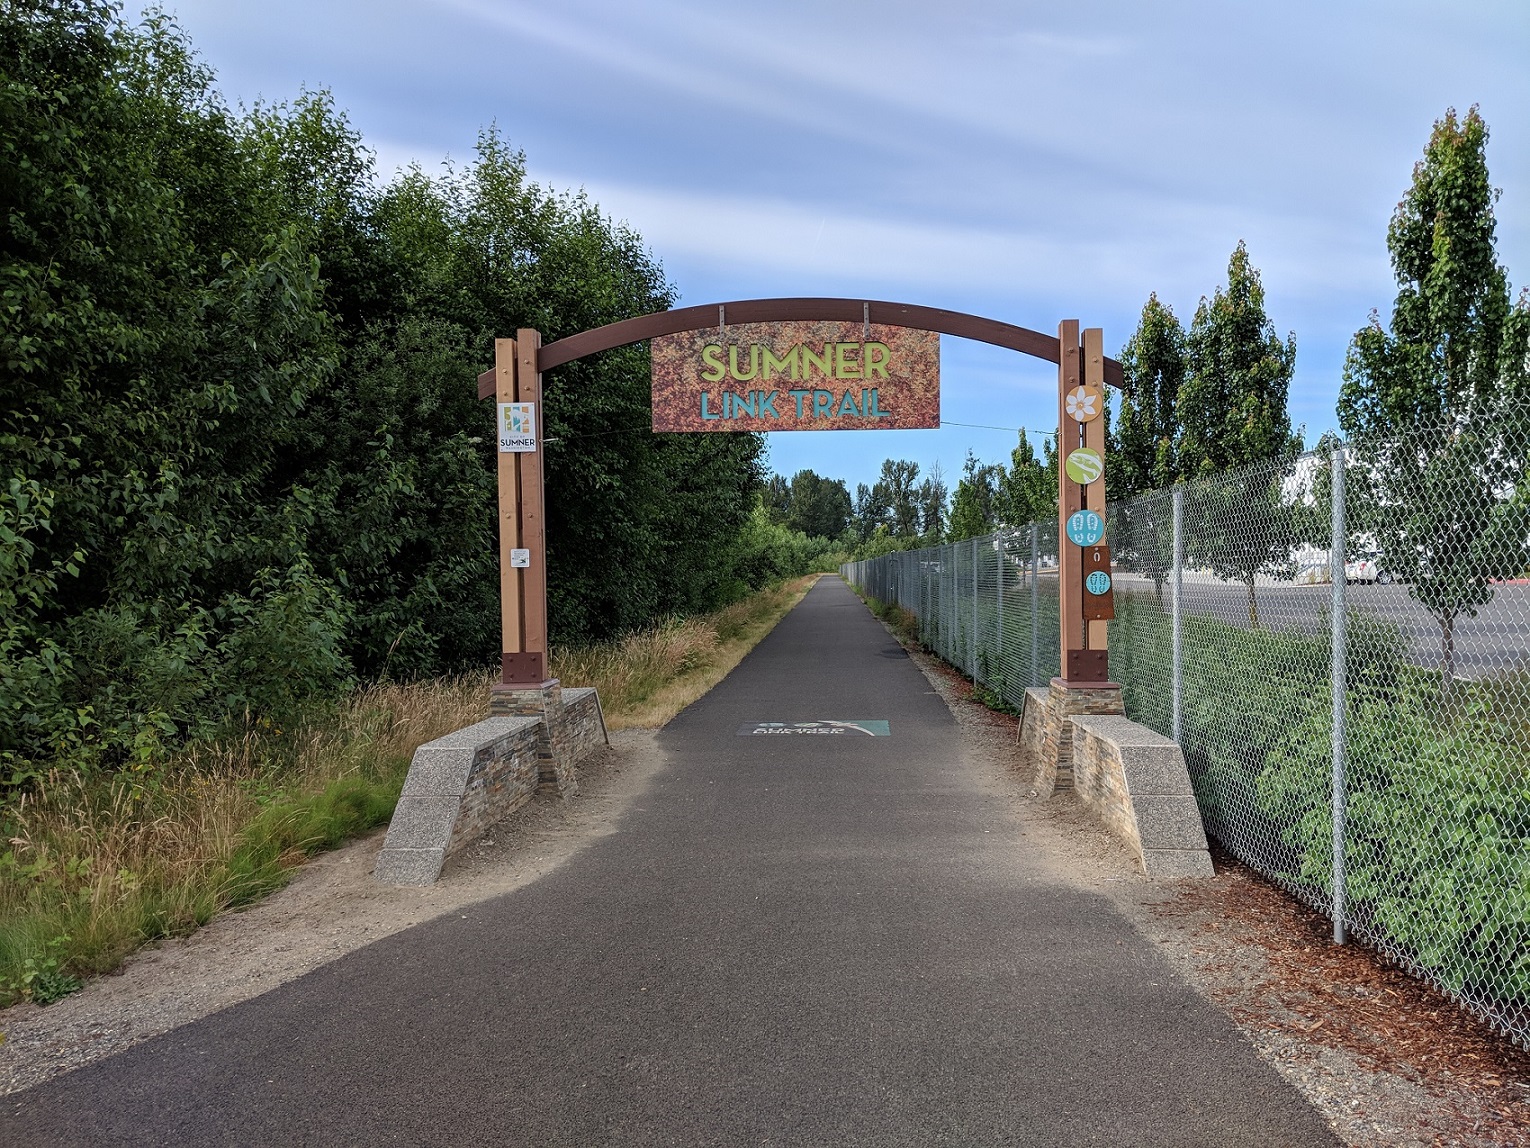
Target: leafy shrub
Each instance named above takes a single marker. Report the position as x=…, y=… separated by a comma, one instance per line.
x=1437, y=831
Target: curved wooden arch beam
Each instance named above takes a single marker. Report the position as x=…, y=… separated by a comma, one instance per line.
x=958, y=323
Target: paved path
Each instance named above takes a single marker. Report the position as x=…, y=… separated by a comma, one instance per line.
x=810, y=940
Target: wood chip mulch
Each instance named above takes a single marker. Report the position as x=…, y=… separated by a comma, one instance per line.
x=1350, y=996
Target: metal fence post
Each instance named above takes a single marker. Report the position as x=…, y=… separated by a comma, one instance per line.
x=973, y=645
x=998, y=622
x=952, y=653
x=1176, y=655
x=1035, y=607
x=1340, y=652
x=924, y=604
x=946, y=577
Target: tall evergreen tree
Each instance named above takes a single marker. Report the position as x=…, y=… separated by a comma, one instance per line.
x=1435, y=404
x=1154, y=361
x=1232, y=408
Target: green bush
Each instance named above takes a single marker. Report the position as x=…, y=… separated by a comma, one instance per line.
x=768, y=552
x=1437, y=840
x=242, y=458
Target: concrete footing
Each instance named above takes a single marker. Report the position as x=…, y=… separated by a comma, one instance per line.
x=462, y=784
x=1133, y=779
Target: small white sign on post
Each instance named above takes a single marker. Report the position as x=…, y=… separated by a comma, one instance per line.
x=517, y=428
x=520, y=559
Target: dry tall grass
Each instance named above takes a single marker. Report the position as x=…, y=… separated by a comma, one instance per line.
x=646, y=678
x=106, y=862
x=96, y=865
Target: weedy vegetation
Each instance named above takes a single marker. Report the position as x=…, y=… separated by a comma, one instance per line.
x=95, y=865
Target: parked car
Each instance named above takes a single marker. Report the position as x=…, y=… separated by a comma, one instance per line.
x=1367, y=568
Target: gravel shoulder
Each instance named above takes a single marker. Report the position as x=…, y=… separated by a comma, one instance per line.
x=1384, y=1059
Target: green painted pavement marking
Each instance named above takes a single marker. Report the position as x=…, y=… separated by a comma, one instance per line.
x=768, y=728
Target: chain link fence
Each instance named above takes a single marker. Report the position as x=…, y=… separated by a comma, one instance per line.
x=1341, y=645
x=986, y=605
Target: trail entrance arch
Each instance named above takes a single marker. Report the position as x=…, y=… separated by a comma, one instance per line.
x=515, y=382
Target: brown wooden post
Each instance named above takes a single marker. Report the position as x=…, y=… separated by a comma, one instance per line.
x=1070, y=580
x=509, y=514
x=533, y=519
x=1094, y=439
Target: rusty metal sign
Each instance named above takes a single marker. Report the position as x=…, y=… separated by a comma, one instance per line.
x=796, y=376
x=1099, y=588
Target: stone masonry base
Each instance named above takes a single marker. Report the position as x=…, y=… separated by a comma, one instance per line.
x=1046, y=738
x=1133, y=779
x=1136, y=782
x=462, y=784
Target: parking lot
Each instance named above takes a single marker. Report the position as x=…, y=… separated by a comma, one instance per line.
x=1497, y=640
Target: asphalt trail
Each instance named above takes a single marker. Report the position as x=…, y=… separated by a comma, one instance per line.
x=809, y=940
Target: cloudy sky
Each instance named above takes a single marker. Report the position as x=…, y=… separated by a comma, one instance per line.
x=1029, y=162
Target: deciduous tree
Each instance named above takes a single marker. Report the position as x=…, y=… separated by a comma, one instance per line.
x=1232, y=408
x=974, y=508
x=1433, y=404
x=896, y=490
x=819, y=507
x=1028, y=489
x=932, y=506
x=1154, y=362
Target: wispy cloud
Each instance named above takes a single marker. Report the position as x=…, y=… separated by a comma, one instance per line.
x=1161, y=242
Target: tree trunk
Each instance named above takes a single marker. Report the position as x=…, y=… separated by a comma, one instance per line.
x=1253, y=603
x=1447, y=658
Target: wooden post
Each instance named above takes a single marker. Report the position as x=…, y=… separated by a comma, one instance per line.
x=509, y=514
x=533, y=518
x=1070, y=581
x=1094, y=439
